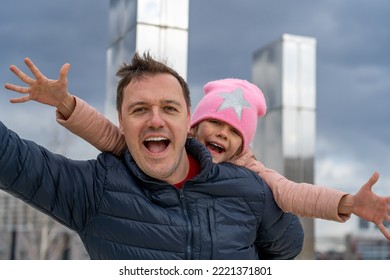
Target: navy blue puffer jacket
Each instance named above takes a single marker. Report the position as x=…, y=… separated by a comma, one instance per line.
x=226, y=212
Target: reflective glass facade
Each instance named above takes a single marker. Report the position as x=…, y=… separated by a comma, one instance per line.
x=158, y=26
x=285, y=138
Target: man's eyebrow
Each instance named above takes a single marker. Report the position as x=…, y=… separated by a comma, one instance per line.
x=163, y=102
x=139, y=103
x=170, y=101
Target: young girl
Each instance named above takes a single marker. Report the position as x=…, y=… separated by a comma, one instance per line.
x=225, y=121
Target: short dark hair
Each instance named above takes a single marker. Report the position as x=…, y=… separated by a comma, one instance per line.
x=139, y=68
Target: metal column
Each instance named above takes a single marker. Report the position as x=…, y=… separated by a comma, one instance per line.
x=285, y=70
x=158, y=26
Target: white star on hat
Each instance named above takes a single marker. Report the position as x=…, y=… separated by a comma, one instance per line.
x=234, y=100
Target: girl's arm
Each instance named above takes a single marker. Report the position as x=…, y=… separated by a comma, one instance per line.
x=87, y=123
x=72, y=112
x=303, y=199
x=308, y=200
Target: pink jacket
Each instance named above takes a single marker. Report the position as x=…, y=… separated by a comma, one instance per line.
x=302, y=199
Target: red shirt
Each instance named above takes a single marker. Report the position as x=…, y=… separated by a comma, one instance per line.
x=192, y=172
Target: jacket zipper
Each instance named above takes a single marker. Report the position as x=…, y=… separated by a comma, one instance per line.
x=188, y=253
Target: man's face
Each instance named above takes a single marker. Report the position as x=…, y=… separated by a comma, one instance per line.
x=155, y=122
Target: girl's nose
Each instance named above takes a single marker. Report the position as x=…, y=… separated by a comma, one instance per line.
x=224, y=131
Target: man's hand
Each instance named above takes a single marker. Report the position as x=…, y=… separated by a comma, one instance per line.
x=372, y=207
x=40, y=89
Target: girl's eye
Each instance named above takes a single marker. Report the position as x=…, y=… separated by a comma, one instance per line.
x=215, y=122
x=235, y=131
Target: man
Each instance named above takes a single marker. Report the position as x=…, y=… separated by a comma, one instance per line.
x=164, y=199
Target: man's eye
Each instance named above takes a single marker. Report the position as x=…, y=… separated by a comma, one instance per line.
x=139, y=110
x=170, y=109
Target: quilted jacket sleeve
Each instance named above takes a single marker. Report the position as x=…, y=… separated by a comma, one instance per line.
x=302, y=199
x=94, y=128
x=66, y=190
x=280, y=235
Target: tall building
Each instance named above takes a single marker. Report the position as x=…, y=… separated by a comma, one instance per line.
x=285, y=139
x=157, y=26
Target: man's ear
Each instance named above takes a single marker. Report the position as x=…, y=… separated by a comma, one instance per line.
x=120, y=123
x=192, y=132
x=188, y=122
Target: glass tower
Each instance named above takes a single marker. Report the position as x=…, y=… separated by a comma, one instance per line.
x=157, y=26
x=285, y=138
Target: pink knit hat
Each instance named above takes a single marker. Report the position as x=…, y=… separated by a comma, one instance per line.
x=233, y=101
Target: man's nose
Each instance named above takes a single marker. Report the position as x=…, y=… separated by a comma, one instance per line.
x=156, y=118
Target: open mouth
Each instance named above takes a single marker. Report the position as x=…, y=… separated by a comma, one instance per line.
x=215, y=147
x=156, y=144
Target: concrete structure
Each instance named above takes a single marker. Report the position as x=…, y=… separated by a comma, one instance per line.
x=285, y=139
x=28, y=234
x=158, y=26
x=367, y=242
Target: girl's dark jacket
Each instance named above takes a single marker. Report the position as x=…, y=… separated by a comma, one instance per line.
x=226, y=212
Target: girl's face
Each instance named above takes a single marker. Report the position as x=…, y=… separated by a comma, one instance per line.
x=222, y=140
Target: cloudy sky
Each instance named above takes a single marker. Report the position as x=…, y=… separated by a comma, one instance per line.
x=353, y=70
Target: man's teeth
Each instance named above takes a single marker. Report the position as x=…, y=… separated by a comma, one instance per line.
x=156, y=139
